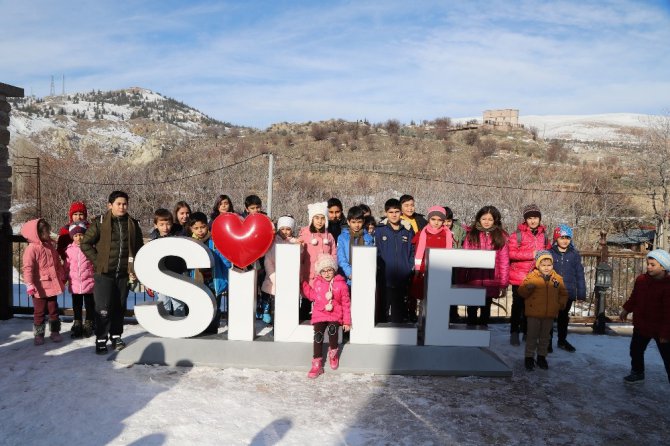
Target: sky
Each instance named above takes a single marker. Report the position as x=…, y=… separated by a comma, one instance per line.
x=255, y=63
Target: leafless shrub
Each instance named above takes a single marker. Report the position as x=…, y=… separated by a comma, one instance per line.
x=471, y=138
x=392, y=126
x=556, y=151
x=318, y=132
x=487, y=147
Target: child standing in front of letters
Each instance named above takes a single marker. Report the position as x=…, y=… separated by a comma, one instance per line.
x=332, y=307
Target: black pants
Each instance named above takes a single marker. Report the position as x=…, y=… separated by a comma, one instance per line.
x=517, y=320
x=319, y=330
x=394, y=300
x=638, y=345
x=484, y=313
x=79, y=300
x=562, y=322
x=111, y=296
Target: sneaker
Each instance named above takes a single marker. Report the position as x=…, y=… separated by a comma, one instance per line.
x=514, y=338
x=317, y=368
x=101, y=346
x=39, y=340
x=76, y=330
x=117, y=343
x=267, y=318
x=565, y=345
x=530, y=364
x=634, y=377
x=333, y=359
x=542, y=362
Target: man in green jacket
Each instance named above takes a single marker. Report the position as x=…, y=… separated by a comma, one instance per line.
x=111, y=243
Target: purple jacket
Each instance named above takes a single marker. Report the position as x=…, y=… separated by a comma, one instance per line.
x=341, y=302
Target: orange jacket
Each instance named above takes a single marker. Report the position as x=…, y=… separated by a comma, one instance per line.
x=544, y=298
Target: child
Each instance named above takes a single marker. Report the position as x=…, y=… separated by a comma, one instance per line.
x=455, y=227
x=486, y=233
x=523, y=244
x=417, y=221
x=335, y=219
x=285, y=230
x=434, y=235
x=545, y=295
x=568, y=264
x=163, y=223
x=650, y=304
x=353, y=235
x=182, y=213
x=395, y=261
x=77, y=213
x=252, y=205
x=80, y=271
x=44, y=277
x=332, y=308
x=370, y=225
x=222, y=205
x=216, y=278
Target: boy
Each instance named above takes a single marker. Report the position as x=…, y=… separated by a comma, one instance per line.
x=215, y=278
x=545, y=295
x=454, y=225
x=523, y=244
x=568, y=264
x=650, y=303
x=335, y=219
x=252, y=205
x=111, y=243
x=163, y=224
x=416, y=221
x=395, y=261
x=354, y=235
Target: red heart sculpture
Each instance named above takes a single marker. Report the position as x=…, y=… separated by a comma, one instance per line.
x=242, y=241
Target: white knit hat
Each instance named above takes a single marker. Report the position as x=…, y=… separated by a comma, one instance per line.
x=325, y=261
x=318, y=209
x=286, y=221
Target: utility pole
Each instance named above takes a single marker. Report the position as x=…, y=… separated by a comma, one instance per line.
x=53, y=87
x=271, y=167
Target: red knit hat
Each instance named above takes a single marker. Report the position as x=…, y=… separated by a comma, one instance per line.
x=78, y=206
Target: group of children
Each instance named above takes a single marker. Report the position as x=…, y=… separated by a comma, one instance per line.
x=545, y=272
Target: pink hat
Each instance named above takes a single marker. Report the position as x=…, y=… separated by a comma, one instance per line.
x=437, y=211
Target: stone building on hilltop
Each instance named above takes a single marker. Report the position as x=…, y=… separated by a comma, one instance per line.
x=507, y=117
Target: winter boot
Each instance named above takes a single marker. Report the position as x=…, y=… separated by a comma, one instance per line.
x=634, y=377
x=333, y=358
x=530, y=364
x=317, y=368
x=542, y=362
x=76, y=330
x=38, y=331
x=117, y=343
x=267, y=317
x=54, y=327
x=565, y=345
x=88, y=328
x=101, y=346
x=514, y=338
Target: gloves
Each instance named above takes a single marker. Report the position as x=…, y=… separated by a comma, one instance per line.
x=150, y=292
x=31, y=290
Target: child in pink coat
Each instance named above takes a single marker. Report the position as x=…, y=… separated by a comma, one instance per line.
x=332, y=308
x=79, y=271
x=44, y=277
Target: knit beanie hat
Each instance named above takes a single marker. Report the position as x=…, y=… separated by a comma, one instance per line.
x=562, y=230
x=77, y=228
x=318, y=209
x=542, y=255
x=437, y=211
x=325, y=261
x=532, y=210
x=286, y=221
x=78, y=206
x=661, y=256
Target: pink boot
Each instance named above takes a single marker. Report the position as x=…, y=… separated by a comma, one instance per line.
x=317, y=368
x=333, y=358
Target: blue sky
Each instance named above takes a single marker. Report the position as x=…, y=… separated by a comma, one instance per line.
x=259, y=62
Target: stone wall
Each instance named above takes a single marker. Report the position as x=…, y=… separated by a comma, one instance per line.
x=507, y=116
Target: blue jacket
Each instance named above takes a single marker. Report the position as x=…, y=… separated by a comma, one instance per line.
x=395, y=255
x=219, y=281
x=343, y=259
x=569, y=265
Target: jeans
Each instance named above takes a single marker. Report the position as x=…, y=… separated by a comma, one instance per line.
x=517, y=320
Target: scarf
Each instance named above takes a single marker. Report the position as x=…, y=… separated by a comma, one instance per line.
x=421, y=244
x=411, y=221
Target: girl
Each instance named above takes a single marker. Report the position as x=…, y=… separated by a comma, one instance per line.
x=434, y=235
x=182, y=213
x=487, y=233
x=332, y=308
x=77, y=213
x=222, y=204
x=285, y=229
x=44, y=277
x=79, y=271
x=317, y=240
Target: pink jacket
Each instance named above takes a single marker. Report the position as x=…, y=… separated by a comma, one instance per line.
x=79, y=270
x=522, y=256
x=312, y=251
x=270, y=264
x=494, y=280
x=341, y=302
x=42, y=271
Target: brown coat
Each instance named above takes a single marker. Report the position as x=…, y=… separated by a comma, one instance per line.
x=545, y=298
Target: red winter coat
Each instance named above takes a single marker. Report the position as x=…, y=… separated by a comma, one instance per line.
x=341, y=302
x=493, y=279
x=42, y=270
x=650, y=304
x=522, y=256
x=79, y=270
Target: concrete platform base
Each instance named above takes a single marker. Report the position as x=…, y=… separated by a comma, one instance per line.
x=217, y=351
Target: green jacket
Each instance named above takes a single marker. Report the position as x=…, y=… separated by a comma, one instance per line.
x=111, y=244
x=459, y=233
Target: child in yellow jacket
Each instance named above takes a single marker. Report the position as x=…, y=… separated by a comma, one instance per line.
x=545, y=295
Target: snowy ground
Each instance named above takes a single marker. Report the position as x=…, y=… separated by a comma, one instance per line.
x=65, y=394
